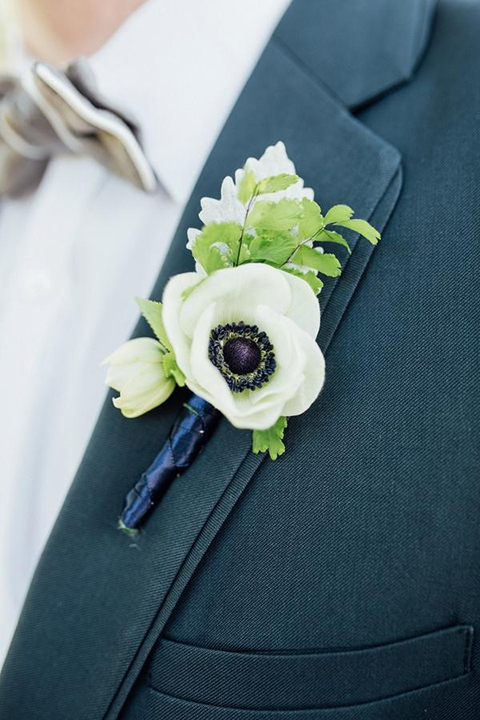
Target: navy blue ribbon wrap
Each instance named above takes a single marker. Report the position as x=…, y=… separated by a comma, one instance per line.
x=193, y=426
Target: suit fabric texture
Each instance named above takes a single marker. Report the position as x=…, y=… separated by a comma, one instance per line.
x=343, y=580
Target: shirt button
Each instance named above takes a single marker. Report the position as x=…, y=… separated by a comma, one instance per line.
x=38, y=285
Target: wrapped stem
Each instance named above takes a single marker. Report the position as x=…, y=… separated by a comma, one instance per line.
x=194, y=425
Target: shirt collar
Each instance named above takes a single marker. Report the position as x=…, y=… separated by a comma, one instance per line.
x=178, y=66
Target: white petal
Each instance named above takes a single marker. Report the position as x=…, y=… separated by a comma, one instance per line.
x=134, y=407
x=142, y=387
x=119, y=375
x=172, y=303
x=204, y=375
x=314, y=377
x=258, y=420
x=293, y=387
x=143, y=348
x=289, y=361
x=304, y=309
x=238, y=292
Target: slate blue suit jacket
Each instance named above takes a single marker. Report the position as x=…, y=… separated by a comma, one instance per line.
x=343, y=580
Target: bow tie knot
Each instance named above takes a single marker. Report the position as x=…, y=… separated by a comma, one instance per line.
x=51, y=112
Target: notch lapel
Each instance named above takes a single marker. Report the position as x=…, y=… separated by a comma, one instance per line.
x=98, y=602
x=360, y=49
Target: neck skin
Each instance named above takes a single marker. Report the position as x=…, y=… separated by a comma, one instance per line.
x=57, y=31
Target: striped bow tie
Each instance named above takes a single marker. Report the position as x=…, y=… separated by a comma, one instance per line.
x=50, y=112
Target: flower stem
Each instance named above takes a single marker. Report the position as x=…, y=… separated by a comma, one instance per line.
x=249, y=207
x=304, y=242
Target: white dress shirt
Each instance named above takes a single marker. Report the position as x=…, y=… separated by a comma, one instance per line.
x=75, y=253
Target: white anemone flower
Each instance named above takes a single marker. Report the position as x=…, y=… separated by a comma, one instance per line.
x=136, y=372
x=245, y=340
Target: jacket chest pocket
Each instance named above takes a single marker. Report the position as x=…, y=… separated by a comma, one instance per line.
x=191, y=682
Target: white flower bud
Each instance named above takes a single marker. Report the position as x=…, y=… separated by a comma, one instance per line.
x=136, y=371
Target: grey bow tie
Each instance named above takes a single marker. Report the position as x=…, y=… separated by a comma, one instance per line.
x=52, y=112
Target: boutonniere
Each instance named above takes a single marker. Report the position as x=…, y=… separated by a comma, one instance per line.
x=240, y=330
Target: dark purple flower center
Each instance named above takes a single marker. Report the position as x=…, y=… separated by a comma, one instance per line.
x=242, y=355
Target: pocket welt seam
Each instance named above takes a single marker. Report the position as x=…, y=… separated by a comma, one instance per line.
x=263, y=680
x=467, y=658
x=311, y=708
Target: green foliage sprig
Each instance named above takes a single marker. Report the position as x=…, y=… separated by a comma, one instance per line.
x=270, y=440
x=287, y=234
